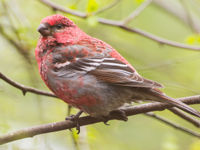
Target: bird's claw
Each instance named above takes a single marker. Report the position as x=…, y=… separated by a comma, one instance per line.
x=75, y=119
x=119, y=114
x=106, y=122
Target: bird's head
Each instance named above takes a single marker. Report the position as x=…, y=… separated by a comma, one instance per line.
x=59, y=27
x=57, y=30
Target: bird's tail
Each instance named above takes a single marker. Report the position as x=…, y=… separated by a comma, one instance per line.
x=176, y=103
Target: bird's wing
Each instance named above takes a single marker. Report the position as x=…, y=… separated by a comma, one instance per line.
x=112, y=71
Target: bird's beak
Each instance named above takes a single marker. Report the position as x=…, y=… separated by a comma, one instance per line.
x=44, y=29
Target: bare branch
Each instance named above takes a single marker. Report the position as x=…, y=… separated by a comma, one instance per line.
x=57, y=126
x=120, y=25
x=161, y=40
x=22, y=50
x=185, y=116
x=136, y=12
x=115, y=2
x=63, y=9
x=177, y=10
x=189, y=16
x=23, y=88
x=176, y=126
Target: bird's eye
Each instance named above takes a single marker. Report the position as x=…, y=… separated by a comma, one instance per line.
x=59, y=26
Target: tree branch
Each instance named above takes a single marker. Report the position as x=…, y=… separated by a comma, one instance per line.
x=120, y=25
x=115, y=2
x=21, y=49
x=57, y=126
x=62, y=9
x=23, y=88
x=176, y=126
x=161, y=40
x=185, y=116
x=177, y=10
x=136, y=12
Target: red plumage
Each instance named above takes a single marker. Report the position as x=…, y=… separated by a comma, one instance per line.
x=89, y=74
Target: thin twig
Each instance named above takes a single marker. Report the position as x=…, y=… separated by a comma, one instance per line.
x=176, y=9
x=22, y=50
x=120, y=25
x=115, y=2
x=185, y=116
x=63, y=9
x=136, y=12
x=23, y=88
x=12, y=27
x=189, y=16
x=57, y=126
x=176, y=126
x=161, y=40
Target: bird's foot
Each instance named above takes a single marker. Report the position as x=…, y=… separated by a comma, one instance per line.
x=75, y=119
x=105, y=121
x=119, y=114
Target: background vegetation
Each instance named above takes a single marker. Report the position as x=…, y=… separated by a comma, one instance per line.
x=176, y=68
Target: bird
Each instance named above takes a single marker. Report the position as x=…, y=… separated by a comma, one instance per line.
x=89, y=74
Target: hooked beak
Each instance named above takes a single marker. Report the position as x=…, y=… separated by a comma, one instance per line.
x=44, y=29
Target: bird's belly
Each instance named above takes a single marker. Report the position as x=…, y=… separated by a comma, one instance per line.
x=74, y=91
x=85, y=93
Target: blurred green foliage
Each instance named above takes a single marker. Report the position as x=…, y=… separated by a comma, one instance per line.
x=175, y=68
x=92, y=6
x=193, y=39
x=195, y=145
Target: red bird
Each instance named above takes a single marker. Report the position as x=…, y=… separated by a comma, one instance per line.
x=89, y=74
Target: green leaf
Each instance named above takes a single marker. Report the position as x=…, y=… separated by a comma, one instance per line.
x=92, y=6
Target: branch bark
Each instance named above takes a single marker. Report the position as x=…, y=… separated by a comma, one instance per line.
x=57, y=126
x=177, y=10
x=106, y=7
x=185, y=116
x=136, y=12
x=23, y=88
x=176, y=126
